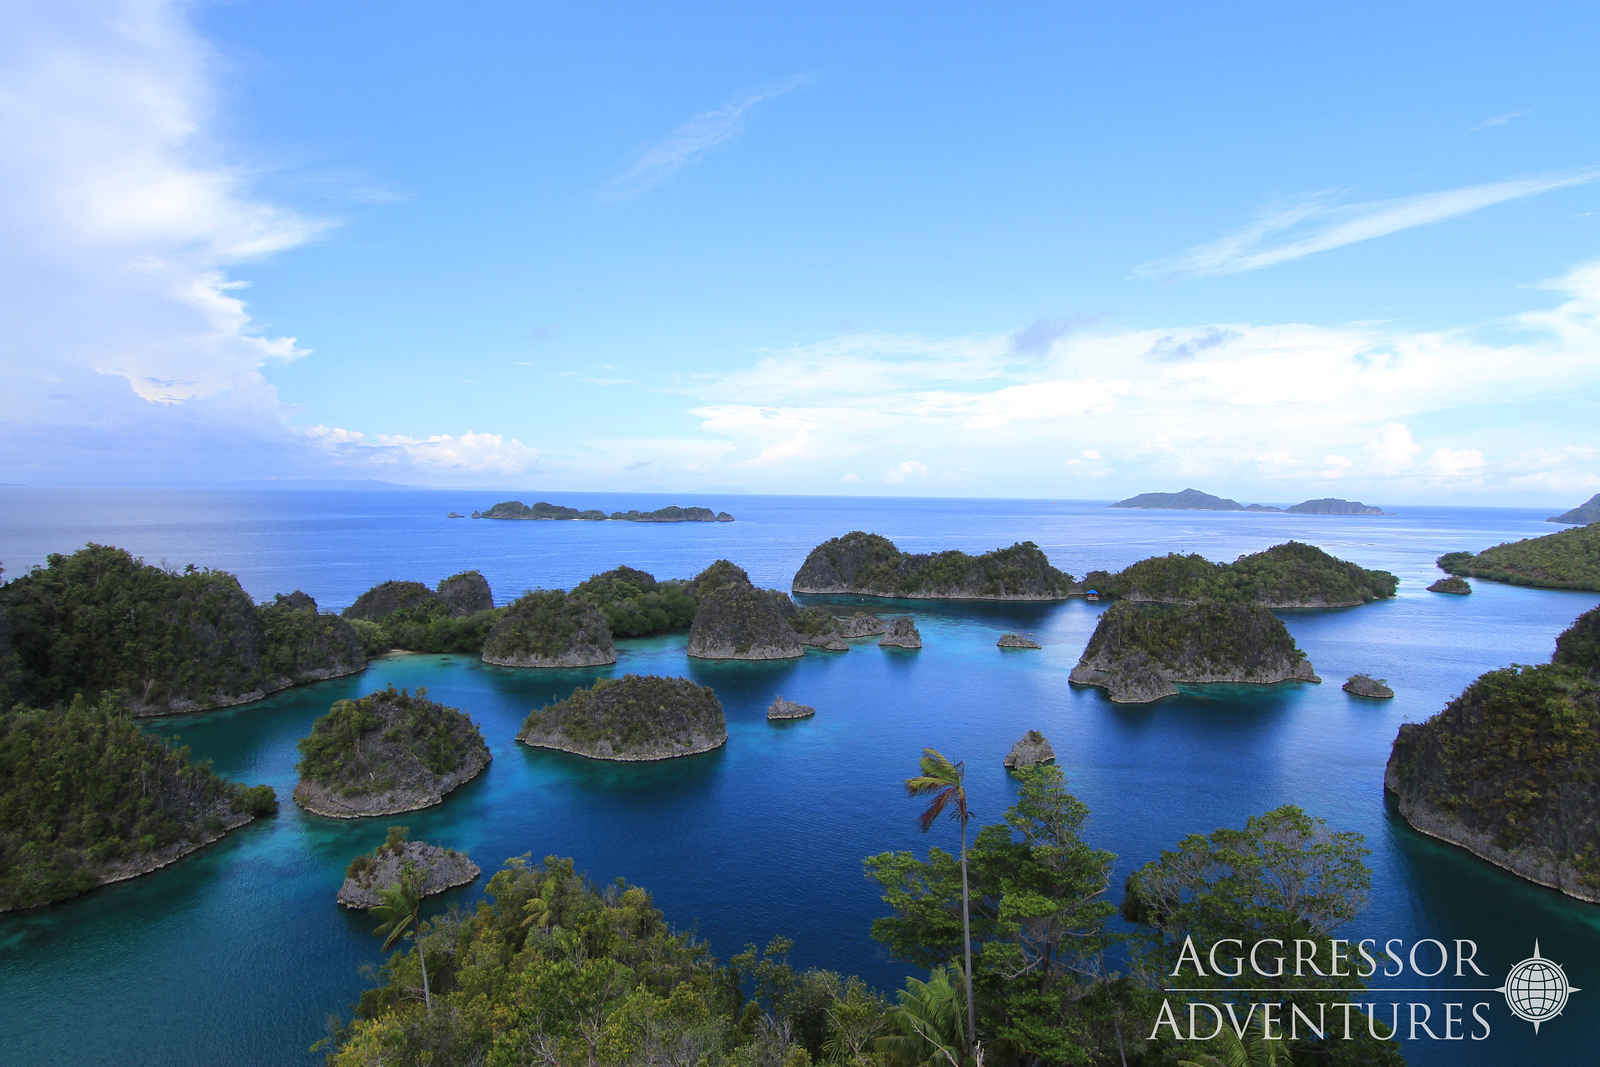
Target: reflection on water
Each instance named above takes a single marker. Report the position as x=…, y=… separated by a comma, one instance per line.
x=236, y=954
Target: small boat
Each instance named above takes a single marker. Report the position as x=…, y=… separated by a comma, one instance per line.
x=1093, y=594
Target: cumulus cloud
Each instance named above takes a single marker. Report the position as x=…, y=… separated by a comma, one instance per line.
x=1292, y=229
x=905, y=472
x=470, y=453
x=693, y=139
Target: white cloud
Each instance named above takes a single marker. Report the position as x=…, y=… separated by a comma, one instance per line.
x=1290, y=230
x=1498, y=120
x=1450, y=462
x=1394, y=448
x=692, y=140
x=850, y=479
x=904, y=472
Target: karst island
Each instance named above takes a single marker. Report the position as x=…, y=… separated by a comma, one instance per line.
x=866, y=564
x=634, y=718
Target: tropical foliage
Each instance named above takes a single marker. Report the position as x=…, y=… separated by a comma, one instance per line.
x=869, y=563
x=1566, y=560
x=1282, y=576
x=83, y=790
x=347, y=747
x=635, y=604
x=545, y=623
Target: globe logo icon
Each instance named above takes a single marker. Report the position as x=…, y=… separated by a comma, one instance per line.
x=1536, y=989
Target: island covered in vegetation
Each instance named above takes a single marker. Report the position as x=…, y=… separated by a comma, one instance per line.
x=1188, y=500
x=1290, y=575
x=1510, y=769
x=433, y=867
x=454, y=617
x=87, y=798
x=866, y=564
x=632, y=718
x=101, y=623
x=1566, y=560
x=386, y=753
x=1329, y=505
x=672, y=513
x=516, y=509
x=549, y=628
x=1138, y=651
x=1584, y=513
x=635, y=604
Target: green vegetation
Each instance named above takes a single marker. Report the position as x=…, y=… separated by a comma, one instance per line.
x=1566, y=560
x=351, y=748
x=101, y=622
x=84, y=793
x=553, y=970
x=632, y=717
x=1188, y=500
x=635, y=604
x=868, y=564
x=1586, y=512
x=814, y=622
x=410, y=616
x=300, y=644
x=671, y=513
x=1188, y=642
x=516, y=509
x=1287, y=575
x=546, y=627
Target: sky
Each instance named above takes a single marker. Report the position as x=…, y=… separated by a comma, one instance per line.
x=1078, y=251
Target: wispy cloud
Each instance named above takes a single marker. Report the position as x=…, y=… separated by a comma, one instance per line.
x=1285, y=231
x=1498, y=120
x=693, y=139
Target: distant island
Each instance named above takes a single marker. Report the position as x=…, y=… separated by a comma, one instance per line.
x=516, y=509
x=550, y=628
x=866, y=564
x=90, y=799
x=436, y=869
x=1138, y=651
x=1195, y=500
x=1290, y=575
x=386, y=753
x=632, y=718
x=1569, y=559
x=101, y=622
x=1510, y=769
x=1584, y=513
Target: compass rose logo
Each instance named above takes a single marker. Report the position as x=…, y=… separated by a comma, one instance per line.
x=1536, y=989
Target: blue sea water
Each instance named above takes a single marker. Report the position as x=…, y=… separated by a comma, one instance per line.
x=237, y=953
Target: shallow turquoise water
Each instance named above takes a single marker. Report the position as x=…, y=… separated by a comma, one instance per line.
x=236, y=954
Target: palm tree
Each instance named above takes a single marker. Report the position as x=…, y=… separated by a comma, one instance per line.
x=927, y=1024
x=945, y=781
x=1254, y=1049
x=401, y=915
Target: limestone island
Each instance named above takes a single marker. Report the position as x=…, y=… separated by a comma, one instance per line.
x=516, y=509
x=1452, y=584
x=90, y=799
x=435, y=869
x=1584, y=513
x=1566, y=560
x=1332, y=506
x=635, y=604
x=788, y=709
x=735, y=620
x=549, y=628
x=672, y=513
x=454, y=616
x=1033, y=749
x=1016, y=641
x=1290, y=575
x=862, y=624
x=632, y=718
x=866, y=564
x=386, y=753
x=100, y=622
x=1362, y=685
x=1510, y=769
x=819, y=628
x=901, y=633
x=1139, y=651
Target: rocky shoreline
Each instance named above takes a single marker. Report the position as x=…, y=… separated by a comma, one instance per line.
x=369, y=875
x=320, y=800
x=632, y=719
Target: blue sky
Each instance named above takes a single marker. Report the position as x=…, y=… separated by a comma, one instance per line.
x=1272, y=251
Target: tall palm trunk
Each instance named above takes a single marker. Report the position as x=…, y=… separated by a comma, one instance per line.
x=422, y=958
x=966, y=930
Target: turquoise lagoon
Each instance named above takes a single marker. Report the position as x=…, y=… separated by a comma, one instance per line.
x=238, y=953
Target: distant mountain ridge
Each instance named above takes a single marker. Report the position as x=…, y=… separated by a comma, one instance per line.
x=1195, y=500
x=1583, y=514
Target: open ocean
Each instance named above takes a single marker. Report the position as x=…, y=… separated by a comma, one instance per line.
x=237, y=953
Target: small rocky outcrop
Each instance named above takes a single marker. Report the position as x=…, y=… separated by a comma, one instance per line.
x=386, y=598
x=901, y=633
x=436, y=868
x=788, y=709
x=1138, y=651
x=723, y=516
x=869, y=565
x=862, y=624
x=818, y=628
x=300, y=644
x=742, y=622
x=1031, y=750
x=466, y=593
x=1016, y=641
x=1363, y=686
x=549, y=628
x=632, y=718
x=1510, y=769
x=1452, y=584
x=386, y=753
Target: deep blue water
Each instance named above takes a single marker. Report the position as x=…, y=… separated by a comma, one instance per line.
x=237, y=953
